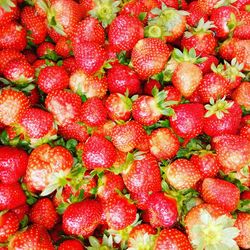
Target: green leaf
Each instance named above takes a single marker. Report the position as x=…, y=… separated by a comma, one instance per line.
x=24, y=222
x=142, y=16
x=71, y=145
x=62, y=207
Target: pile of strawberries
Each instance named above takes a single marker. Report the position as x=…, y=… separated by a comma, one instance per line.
x=124, y=124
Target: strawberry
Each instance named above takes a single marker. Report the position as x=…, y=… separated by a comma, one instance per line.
x=45, y=49
x=43, y=213
x=163, y=143
x=34, y=237
x=173, y=94
x=71, y=244
x=206, y=220
x=207, y=6
x=9, y=224
x=64, y=47
x=64, y=106
x=243, y=224
x=21, y=211
x=34, y=24
x=9, y=11
x=52, y=78
x=11, y=196
x=149, y=57
x=70, y=65
x=98, y=153
x=121, y=78
x=221, y=193
x=119, y=212
x=233, y=151
x=195, y=14
x=12, y=36
x=90, y=86
x=30, y=56
x=134, y=8
x=13, y=164
x=82, y=218
x=130, y=31
x=46, y=166
x=149, y=85
x=182, y=174
x=118, y=106
x=206, y=65
x=172, y=238
x=242, y=54
x=191, y=114
x=162, y=210
x=242, y=29
x=13, y=103
x=19, y=72
x=241, y=4
x=93, y=112
x=241, y=95
x=222, y=117
x=227, y=48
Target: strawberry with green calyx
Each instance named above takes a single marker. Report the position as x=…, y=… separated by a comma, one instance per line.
x=243, y=224
x=201, y=38
x=241, y=95
x=148, y=110
x=210, y=227
x=64, y=47
x=46, y=50
x=105, y=243
x=71, y=244
x=167, y=24
x=105, y=10
x=222, y=117
x=209, y=6
x=7, y=6
x=227, y=48
x=242, y=29
x=241, y=53
x=206, y=65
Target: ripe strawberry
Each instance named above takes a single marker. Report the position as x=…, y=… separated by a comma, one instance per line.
x=149, y=85
x=19, y=72
x=233, y=151
x=172, y=238
x=71, y=244
x=43, y=213
x=242, y=53
x=126, y=137
x=207, y=163
x=119, y=212
x=221, y=193
x=82, y=218
x=34, y=237
x=93, y=112
x=64, y=106
x=35, y=24
x=11, y=196
x=242, y=29
x=130, y=31
x=241, y=4
x=70, y=65
x=173, y=94
x=13, y=164
x=64, y=47
x=12, y=36
x=12, y=105
x=241, y=95
x=206, y=65
x=163, y=143
x=90, y=86
x=45, y=49
x=121, y=78
x=191, y=114
x=98, y=153
x=162, y=210
x=90, y=56
x=149, y=57
x=182, y=174
x=222, y=117
x=207, y=6
x=134, y=8
x=208, y=225
x=30, y=56
x=243, y=224
x=21, y=211
x=227, y=48
x=195, y=14
x=9, y=224
x=9, y=11
x=46, y=166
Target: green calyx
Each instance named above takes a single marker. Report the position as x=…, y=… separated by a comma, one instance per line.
x=7, y=5
x=233, y=70
x=218, y=108
x=107, y=243
x=187, y=56
x=224, y=3
x=105, y=11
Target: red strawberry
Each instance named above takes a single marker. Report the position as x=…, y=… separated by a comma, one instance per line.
x=13, y=164
x=242, y=53
x=12, y=105
x=9, y=11
x=206, y=65
x=130, y=31
x=12, y=36
x=243, y=224
x=173, y=94
x=242, y=95
x=207, y=6
x=43, y=213
x=134, y=8
x=52, y=78
x=221, y=193
x=34, y=237
x=45, y=49
x=182, y=174
x=149, y=85
x=82, y=218
x=119, y=212
x=64, y=105
x=121, y=78
x=163, y=143
x=30, y=55
x=227, y=49
x=21, y=211
x=98, y=153
x=71, y=244
x=149, y=57
x=70, y=65
x=195, y=14
x=93, y=112
x=90, y=86
x=64, y=47
x=11, y=196
x=45, y=163
x=242, y=29
x=172, y=238
x=190, y=114
x=162, y=210
x=9, y=224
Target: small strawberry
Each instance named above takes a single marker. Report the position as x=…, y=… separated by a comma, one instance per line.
x=149, y=85
x=173, y=94
x=21, y=211
x=45, y=49
x=70, y=65
x=243, y=224
x=64, y=47
x=227, y=49
x=206, y=65
x=71, y=244
x=242, y=53
x=241, y=95
x=195, y=14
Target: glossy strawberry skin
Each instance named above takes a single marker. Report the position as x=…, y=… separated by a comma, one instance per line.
x=206, y=65
x=243, y=224
x=221, y=193
x=12, y=14
x=196, y=13
x=241, y=95
x=64, y=47
x=71, y=244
